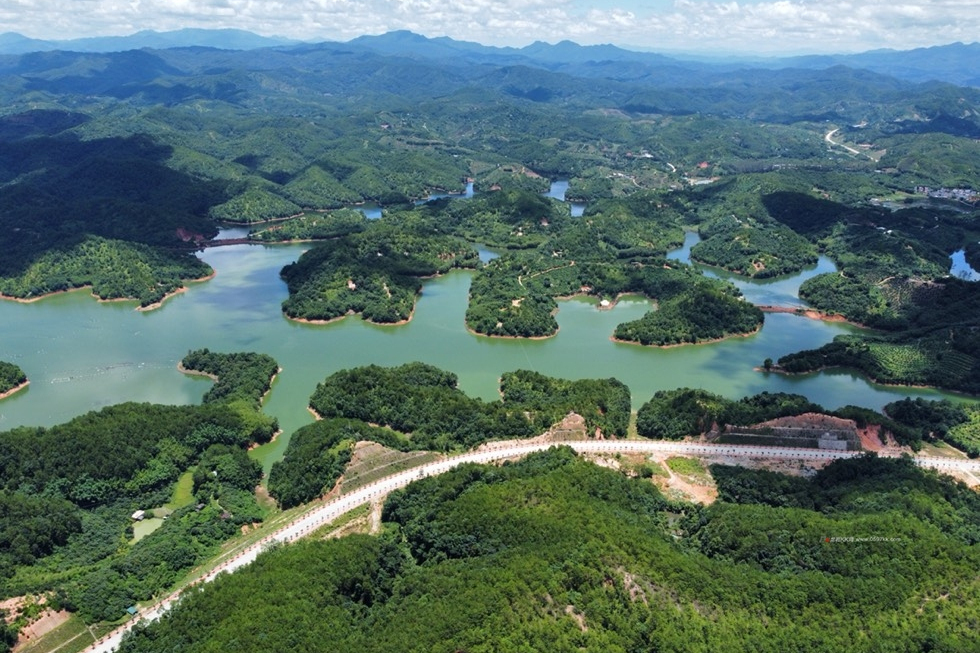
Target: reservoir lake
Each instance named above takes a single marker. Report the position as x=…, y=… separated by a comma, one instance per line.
x=81, y=354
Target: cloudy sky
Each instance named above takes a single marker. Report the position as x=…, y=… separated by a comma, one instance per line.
x=745, y=26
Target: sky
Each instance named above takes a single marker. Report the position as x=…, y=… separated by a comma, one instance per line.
x=709, y=26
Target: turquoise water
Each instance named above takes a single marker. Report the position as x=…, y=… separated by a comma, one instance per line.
x=81, y=354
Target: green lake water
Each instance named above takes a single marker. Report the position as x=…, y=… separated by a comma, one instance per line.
x=82, y=355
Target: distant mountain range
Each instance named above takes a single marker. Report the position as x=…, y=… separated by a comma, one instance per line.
x=954, y=63
x=225, y=39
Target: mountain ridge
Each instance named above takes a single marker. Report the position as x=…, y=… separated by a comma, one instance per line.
x=952, y=63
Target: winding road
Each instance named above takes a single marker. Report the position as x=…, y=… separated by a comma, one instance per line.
x=829, y=137
x=328, y=511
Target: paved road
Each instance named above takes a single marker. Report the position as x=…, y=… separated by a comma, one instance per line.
x=829, y=138
x=327, y=512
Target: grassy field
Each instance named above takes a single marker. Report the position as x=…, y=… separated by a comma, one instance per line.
x=183, y=491
x=687, y=467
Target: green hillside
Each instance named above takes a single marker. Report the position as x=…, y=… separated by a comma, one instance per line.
x=554, y=553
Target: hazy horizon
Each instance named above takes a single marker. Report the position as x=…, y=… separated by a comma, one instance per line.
x=711, y=27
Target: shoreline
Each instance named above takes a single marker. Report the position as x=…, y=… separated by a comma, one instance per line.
x=108, y=300
x=689, y=344
x=14, y=390
x=184, y=288
x=811, y=313
x=612, y=302
x=31, y=300
x=189, y=372
x=306, y=320
x=867, y=377
x=256, y=445
x=214, y=377
x=266, y=393
x=505, y=337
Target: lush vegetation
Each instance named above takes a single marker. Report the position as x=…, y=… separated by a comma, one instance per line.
x=939, y=420
x=931, y=359
x=617, y=248
x=11, y=376
x=243, y=376
x=604, y=403
x=421, y=401
x=966, y=435
x=67, y=492
x=587, y=559
x=752, y=247
x=113, y=165
x=318, y=454
x=675, y=414
x=421, y=408
x=313, y=226
x=80, y=213
x=114, y=269
x=424, y=403
x=249, y=140
x=703, y=313
x=374, y=272
x=894, y=276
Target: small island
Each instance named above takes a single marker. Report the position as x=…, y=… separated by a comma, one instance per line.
x=12, y=379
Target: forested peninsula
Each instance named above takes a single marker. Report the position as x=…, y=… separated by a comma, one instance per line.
x=12, y=379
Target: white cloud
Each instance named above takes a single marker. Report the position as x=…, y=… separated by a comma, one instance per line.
x=748, y=25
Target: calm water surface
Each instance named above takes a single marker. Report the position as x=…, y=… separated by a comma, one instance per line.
x=82, y=355
x=960, y=268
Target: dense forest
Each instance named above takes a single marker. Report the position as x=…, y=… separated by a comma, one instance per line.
x=869, y=553
x=424, y=403
x=11, y=376
x=243, y=137
x=68, y=492
x=604, y=404
x=684, y=412
x=676, y=414
x=374, y=272
x=425, y=410
x=421, y=408
x=420, y=400
x=238, y=376
x=617, y=248
x=958, y=424
x=114, y=269
x=317, y=455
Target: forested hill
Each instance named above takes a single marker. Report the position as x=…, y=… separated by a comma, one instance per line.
x=112, y=161
x=556, y=554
